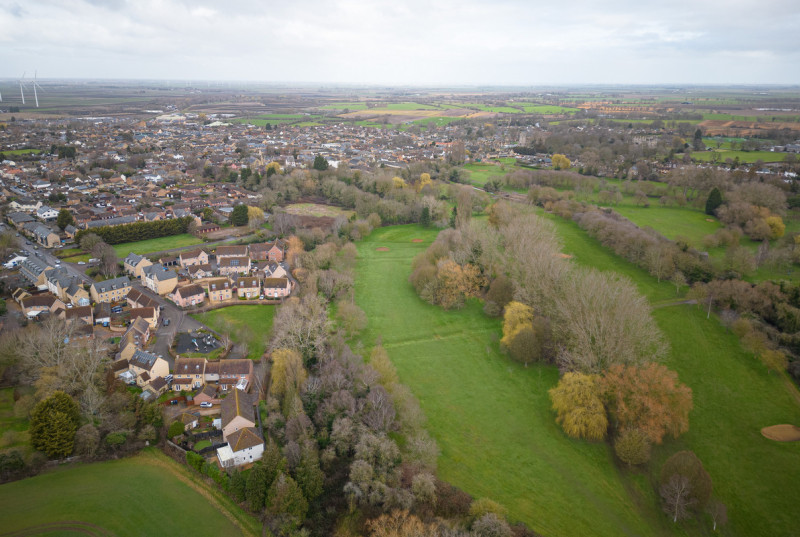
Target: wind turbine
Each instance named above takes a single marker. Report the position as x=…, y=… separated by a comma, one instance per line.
x=36, y=85
x=21, y=86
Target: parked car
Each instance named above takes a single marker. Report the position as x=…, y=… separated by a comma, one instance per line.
x=206, y=404
x=81, y=262
x=261, y=297
x=166, y=322
x=173, y=402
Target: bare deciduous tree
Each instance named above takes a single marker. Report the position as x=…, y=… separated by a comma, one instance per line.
x=676, y=494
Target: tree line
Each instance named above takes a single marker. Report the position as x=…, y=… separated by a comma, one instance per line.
x=139, y=231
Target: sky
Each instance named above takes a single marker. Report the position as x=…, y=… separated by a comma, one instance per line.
x=417, y=43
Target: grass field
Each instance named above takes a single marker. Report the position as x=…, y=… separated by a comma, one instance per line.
x=672, y=221
x=497, y=434
x=744, y=156
x=155, y=245
x=256, y=318
x=491, y=417
x=148, y=494
x=16, y=152
x=734, y=397
x=8, y=423
x=481, y=172
x=316, y=209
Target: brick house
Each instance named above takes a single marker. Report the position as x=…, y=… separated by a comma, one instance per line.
x=188, y=295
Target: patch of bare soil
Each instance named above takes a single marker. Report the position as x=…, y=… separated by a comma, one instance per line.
x=782, y=433
x=382, y=249
x=416, y=240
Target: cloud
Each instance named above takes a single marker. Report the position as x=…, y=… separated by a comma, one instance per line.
x=405, y=42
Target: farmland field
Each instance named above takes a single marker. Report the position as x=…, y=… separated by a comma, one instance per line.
x=251, y=324
x=143, y=495
x=155, y=245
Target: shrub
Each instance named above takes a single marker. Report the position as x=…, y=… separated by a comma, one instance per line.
x=632, y=447
x=482, y=506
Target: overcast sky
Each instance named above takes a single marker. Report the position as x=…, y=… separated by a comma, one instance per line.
x=472, y=42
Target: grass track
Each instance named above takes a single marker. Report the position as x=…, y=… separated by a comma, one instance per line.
x=142, y=495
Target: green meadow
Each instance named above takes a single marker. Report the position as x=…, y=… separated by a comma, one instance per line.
x=155, y=245
x=148, y=494
x=498, y=436
x=251, y=324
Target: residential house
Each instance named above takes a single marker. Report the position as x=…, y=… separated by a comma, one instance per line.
x=19, y=219
x=137, y=299
x=189, y=374
x=33, y=269
x=188, y=295
x=277, y=287
x=219, y=289
x=268, y=251
x=134, y=263
x=81, y=314
x=233, y=265
x=235, y=372
x=113, y=290
x=147, y=366
x=247, y=287
x=76, y=294
x=193, y=257
x=102, y=313
x=135, y=338
x=238, y=412
x=169, y=261
x=244, y=446
x=149, y=314
x=36, y=304
x=231, y=251
x=197, y=272
x=48, y=214
x=158, y=279
x=43, y=235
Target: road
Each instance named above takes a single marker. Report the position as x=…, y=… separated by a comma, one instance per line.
x=46, y=255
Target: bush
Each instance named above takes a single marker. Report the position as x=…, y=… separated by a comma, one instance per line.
x=491, y=525
x=482, y=506
x=175, y=429
x=632, y=446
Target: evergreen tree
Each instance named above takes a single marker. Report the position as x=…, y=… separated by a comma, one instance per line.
x=65, y=219
x=54, y=422
x=239, y=215
x=425, y=217
x=320, y=163
x=714, y=201
x=309, y=475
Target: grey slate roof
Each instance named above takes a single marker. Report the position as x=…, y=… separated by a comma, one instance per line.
x=143, y=359
x=108, y=285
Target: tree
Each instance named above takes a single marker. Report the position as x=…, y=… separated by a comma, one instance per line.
x=491, y=525
x=676, y=496
x=776, y=226
x=352, y=318
x=87, y=440
x=483, y=506
x=309, y=476
x=531, y=342
x=580, y=409
x=560, y=162
x=516, y=315
x=632, y=446
x=54, y=422
x=400, y=523
x=175, y=429
x=258, y=483
x=649, y=398
x=286, y=502
x=288, y=374
x=320, y=163
x=239, y=216
x=89, y=241
x=255, y=217
x=65, y=219
x=692, y=488
x=714, y=201
x=301, y=325
x=718, y=512
x=425, y=217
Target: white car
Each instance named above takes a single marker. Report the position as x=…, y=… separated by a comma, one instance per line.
x=206, y=404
